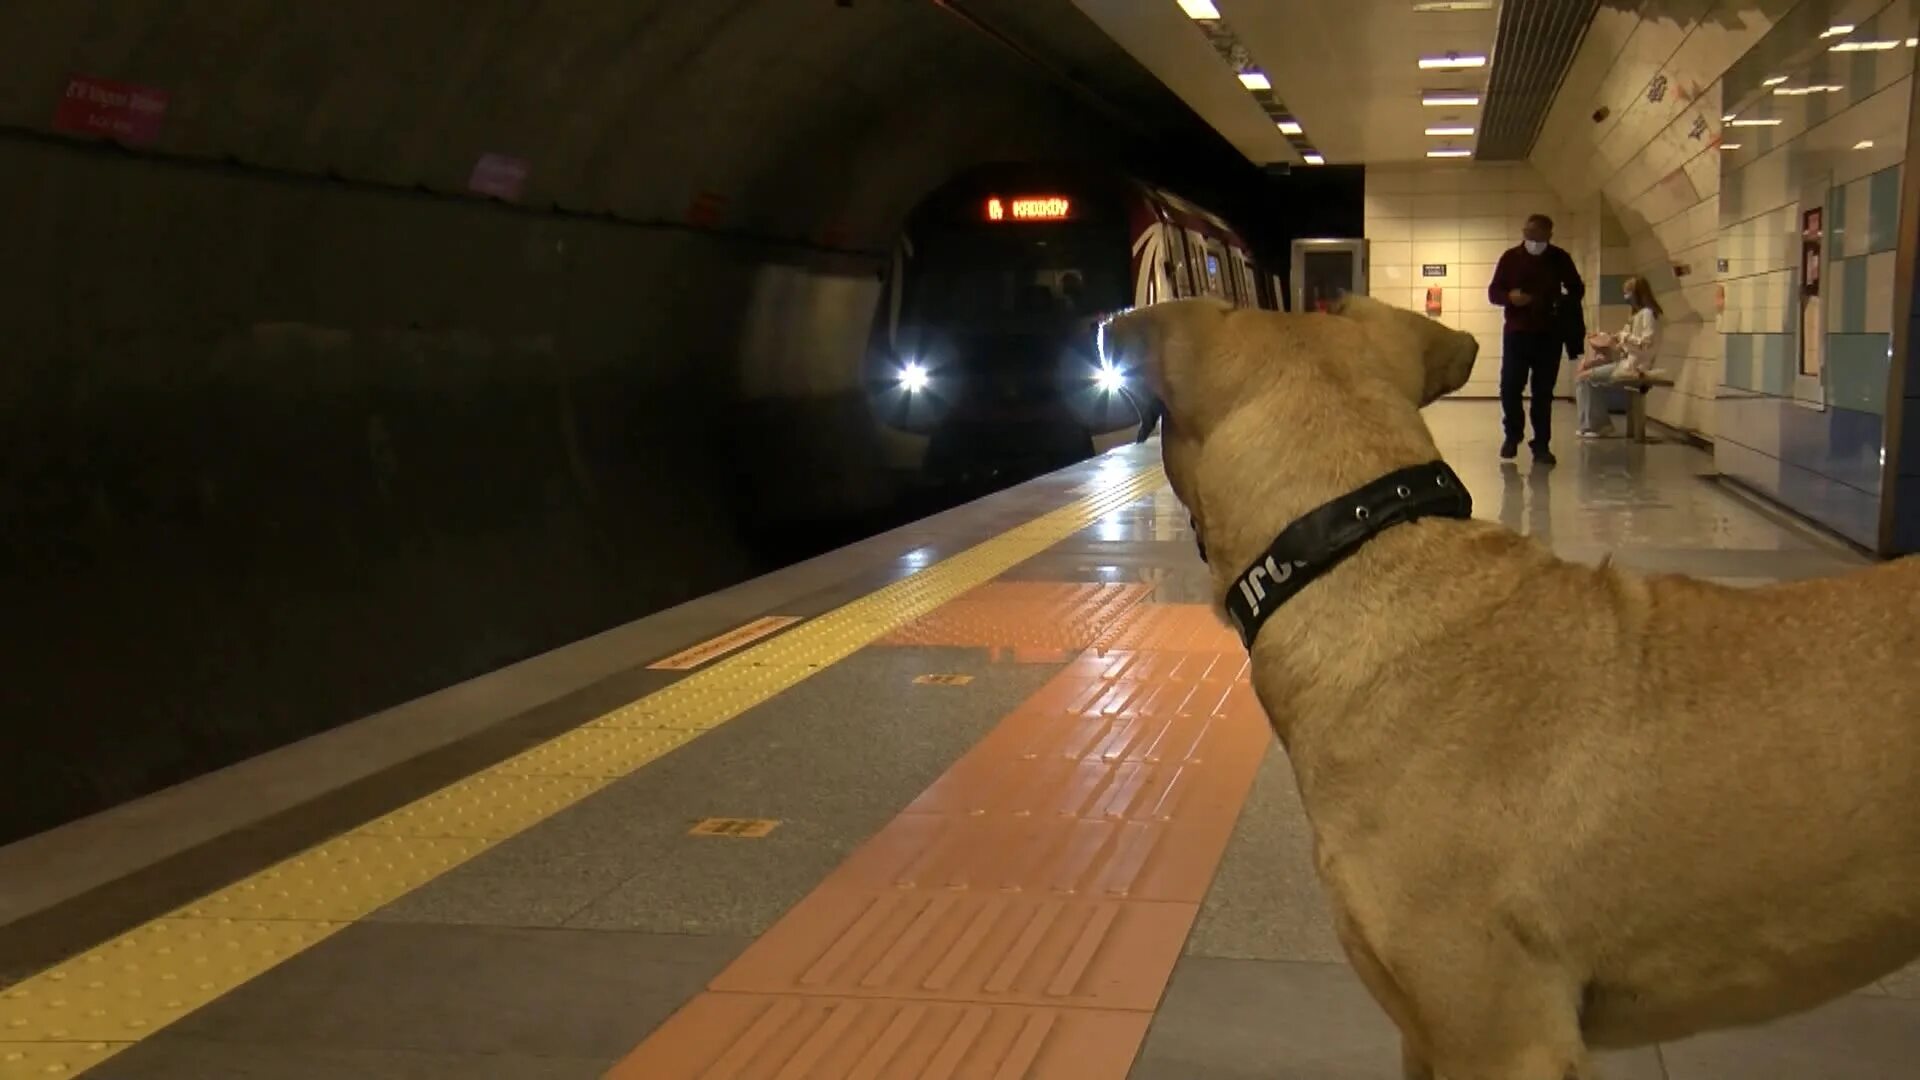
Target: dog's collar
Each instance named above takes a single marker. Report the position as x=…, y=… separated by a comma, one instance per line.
x=1324, y=538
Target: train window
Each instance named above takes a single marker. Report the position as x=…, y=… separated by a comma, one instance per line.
x=1004, y=279
x=1176, y=261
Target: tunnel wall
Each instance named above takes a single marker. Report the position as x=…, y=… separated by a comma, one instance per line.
x=1710, y=213
x=294, y=427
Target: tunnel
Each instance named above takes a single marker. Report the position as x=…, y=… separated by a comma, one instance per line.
x=391, y=344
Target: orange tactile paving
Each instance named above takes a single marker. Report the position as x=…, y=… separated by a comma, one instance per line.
x=966, y=945
x=789, y=1038
x=1024, y=615
x=1174, y=627
x=1021, y=918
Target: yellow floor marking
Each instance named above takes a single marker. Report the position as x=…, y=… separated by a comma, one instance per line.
x=736, y=638
x=744, y=828
x=83, y=1011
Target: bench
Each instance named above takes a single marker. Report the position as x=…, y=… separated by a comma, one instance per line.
x=1643, y=383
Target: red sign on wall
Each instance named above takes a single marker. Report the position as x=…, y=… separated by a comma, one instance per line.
x=113, y=110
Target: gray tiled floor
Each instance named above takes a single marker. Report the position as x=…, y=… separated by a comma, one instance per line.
x=832, y=759
x=388, y=992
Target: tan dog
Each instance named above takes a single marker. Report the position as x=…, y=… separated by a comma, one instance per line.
x=1555, y=806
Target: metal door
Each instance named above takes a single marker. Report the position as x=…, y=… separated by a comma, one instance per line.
x=1325, y=268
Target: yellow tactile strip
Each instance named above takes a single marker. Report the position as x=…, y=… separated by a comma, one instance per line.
x=77, y=1014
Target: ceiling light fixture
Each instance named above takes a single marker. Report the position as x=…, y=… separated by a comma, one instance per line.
x=1449, y=131
x=1452, y=61
x=1863, y=144
x=1313, y=158
x=1864, y=46
x=1729, y=146
x=1452, y=5
x=1770, y=122
x=1449, y=153
x=1836, y=30
x=1802, y=91
x=1449, y=97
x=1774, y=81
x=1253, y=80
x=1289, y=127
x=1199, y=9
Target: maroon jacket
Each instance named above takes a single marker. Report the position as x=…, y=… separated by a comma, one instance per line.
x=1550, y=277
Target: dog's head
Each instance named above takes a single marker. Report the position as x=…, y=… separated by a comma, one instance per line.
x=1421, y=355
x=1265, y=415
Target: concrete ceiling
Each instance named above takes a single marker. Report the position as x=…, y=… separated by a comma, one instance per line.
x=1349, y=71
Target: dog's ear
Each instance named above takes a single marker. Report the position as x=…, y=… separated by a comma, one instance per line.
x=1422, y=356
x=1154, y=346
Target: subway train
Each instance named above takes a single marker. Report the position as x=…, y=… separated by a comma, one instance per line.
x=986, y=367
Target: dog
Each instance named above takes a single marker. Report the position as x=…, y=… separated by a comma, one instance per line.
x=1555, y=807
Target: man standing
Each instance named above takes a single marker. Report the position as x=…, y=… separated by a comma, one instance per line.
x=1537, y=284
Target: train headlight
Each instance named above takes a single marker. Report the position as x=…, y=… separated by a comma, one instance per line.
x=1109, y=378
x=912, y=377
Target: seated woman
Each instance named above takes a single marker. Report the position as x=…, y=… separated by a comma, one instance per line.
x=1615, y=357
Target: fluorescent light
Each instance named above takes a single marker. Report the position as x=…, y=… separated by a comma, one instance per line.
x=1449, y=97
x=1753, y=123
x=1199, y=9
x=1775, y=81
x=1449, y=153
x=1289, y=127
x=1725, y=118
x=1802, y=91
x=1729, y=146
x=1836, y=31
x=1449, y=131
x=1253, y=80
x=1913, y=42
x=1864, y=46
x=1452, y=5
x=1452, y=60
x=1313, y=158
x=1863, y=144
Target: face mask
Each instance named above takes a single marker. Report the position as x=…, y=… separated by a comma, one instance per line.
x=1535, y=247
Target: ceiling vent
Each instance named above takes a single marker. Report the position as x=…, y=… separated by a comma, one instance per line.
x=1532, y=50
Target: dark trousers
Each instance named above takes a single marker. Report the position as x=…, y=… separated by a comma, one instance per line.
x=1529, y=358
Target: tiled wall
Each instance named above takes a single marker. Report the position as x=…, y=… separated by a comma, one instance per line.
x=1463, y=216
x=1706, y=200
x=1650, y=158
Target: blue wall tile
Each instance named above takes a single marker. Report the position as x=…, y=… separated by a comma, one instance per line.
x=1776, y=367
x=1883, y=209
x=1857, y=370
x=1737, y=370
x=1749, y=422
x=1852, y=316
x=1848, y=511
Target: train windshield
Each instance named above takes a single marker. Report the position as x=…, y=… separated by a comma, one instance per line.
x=1006, y=279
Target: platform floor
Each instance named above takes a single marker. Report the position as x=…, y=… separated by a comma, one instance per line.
x=999, y=803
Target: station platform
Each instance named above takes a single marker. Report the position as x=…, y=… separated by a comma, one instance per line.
x=987, y=796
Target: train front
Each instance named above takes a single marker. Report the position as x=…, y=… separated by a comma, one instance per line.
x=989, y=357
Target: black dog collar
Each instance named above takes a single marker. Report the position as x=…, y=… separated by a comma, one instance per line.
x=1324, y=538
